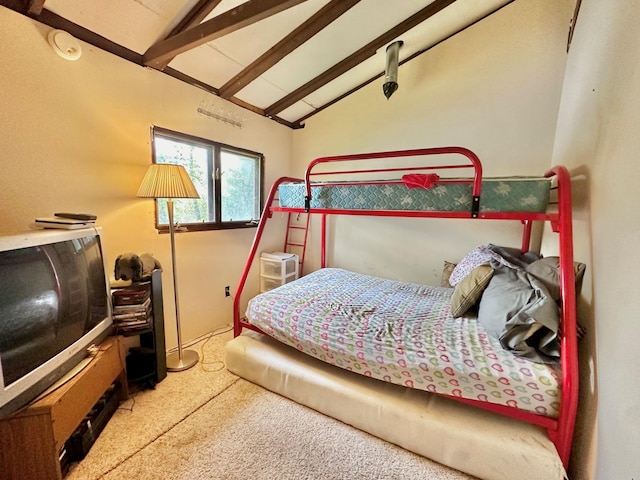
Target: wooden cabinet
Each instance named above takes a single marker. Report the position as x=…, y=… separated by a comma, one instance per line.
x=31, y=439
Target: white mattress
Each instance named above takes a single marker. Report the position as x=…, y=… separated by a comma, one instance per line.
x=474, y=441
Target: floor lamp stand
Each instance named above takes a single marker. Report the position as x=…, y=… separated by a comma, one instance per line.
x=182, y=359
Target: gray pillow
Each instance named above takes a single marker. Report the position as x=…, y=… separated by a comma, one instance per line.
x=515, y=256
x=547, y=270
x=516, y=308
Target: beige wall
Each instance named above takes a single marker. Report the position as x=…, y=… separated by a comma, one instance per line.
x=494, y=88
x=597, y=138
x=74, y=136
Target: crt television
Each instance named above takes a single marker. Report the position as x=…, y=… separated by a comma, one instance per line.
x=54, y=305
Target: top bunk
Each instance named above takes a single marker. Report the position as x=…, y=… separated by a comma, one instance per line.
x=407, y=183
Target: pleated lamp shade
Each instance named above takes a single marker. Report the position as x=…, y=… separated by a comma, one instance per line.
x=164, y=180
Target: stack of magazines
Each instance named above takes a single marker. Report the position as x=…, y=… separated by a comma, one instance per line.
x=67, y=221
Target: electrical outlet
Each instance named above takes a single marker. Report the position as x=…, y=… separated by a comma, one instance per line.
x=226, y=291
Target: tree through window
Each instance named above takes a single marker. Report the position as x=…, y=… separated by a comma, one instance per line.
x=228, y=179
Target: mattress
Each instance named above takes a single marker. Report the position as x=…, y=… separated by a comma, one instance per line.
x=514, y=194
x=480, y=443
x=401, y=333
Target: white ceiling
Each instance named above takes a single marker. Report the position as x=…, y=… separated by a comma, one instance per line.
x=139, y=24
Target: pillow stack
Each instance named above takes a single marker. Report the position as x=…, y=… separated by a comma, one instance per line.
x=470, y=277
x=517, y=297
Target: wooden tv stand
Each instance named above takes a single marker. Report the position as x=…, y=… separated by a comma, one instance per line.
x=31, y=439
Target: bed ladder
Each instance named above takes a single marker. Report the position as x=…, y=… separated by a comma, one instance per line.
x=295, y=240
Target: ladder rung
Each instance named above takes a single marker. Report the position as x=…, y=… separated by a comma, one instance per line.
x=296, y=245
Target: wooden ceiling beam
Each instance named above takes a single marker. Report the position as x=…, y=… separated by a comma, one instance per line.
x=34, y=7
x=357, y=57
x=299, y=123
x=161, y=53
x=321, y=19
x=195, y=16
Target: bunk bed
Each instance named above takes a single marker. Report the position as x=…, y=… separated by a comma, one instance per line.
x=442, y=371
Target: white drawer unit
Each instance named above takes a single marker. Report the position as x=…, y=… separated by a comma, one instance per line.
x=277, y=269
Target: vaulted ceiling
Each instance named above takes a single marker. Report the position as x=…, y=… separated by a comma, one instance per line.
x=284, y=59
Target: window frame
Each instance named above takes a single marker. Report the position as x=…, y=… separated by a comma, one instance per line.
x=214, y=183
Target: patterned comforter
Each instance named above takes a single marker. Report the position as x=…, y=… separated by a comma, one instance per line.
x=402, y=333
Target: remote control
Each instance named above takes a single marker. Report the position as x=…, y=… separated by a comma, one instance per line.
x=77, y=216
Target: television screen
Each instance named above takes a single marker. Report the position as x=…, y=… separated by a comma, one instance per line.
x=51, y=295
x=53, y=303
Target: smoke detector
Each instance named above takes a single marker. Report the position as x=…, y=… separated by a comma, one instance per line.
x=64, y=44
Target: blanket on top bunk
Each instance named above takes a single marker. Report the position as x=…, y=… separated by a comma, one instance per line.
x=522, y=194
x=402, y=333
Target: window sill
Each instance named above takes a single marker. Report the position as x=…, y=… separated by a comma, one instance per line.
x=201, y=227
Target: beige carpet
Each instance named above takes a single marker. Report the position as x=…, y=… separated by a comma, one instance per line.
x=207, y=424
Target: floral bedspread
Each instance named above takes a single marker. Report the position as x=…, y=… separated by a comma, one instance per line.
x=402, y=333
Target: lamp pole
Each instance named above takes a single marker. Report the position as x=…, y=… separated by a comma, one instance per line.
x=182, y=359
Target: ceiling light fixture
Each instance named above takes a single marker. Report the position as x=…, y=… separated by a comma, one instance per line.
x=391, y=69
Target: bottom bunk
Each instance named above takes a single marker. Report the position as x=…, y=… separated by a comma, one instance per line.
x=410, y=335
x=480, y=443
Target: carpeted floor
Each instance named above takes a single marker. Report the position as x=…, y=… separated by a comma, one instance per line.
x=205, y=423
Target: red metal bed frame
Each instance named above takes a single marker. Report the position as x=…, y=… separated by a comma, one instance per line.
x=560, y=430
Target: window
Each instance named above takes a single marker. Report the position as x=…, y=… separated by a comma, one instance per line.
x=228, y=179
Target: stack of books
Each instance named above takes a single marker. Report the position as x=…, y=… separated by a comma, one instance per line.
x=132, y=307
x=68, y=221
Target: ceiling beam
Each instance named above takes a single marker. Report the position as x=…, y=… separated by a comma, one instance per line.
x=323, y=17
x=572, y=25
x=25, y=7
x=34, y=7
x=161, y=53
x=299, y=123
x=55, y=21
x=357, y=57
x=195, y=16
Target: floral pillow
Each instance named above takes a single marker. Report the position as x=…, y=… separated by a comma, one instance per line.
x=473, y=259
